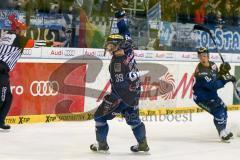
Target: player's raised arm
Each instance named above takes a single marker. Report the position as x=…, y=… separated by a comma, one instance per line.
x=122, y=25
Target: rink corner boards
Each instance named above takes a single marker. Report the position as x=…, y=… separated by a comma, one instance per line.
x=71, y=117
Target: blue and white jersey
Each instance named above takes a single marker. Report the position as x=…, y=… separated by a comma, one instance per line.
x=125, y=78
x=207, y=82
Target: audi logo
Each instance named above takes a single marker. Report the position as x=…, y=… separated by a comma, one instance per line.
x=69, y=52
x=27, y=52
x=44, y=88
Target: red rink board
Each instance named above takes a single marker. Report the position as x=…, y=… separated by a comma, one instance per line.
x=47, y=88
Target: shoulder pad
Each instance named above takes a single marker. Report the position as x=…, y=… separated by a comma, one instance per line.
x=213, y=66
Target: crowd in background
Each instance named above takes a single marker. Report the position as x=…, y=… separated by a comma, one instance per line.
x=91, y=7
x=202, y=11
x=197, y=11
x=210, y=12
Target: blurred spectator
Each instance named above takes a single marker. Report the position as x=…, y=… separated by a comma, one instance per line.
x=237, y=8
x=237, y=13
x=76, y=7
x=200, y=11
x=8, y=4
x=212, y=6
x=54, y=7
x=152, y=3
x=3, y=4
x=118, y=4
x=43, y=6
x=156, y=44
x=106, y=8
x=186, y=11
x=219, y=20
x=213, y=13
x=166, y=10
x=88, y=6
x=227, y=12
x=21, y=4
x=175, y=9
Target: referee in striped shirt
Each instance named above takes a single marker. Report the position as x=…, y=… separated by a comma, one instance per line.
x=11, y=48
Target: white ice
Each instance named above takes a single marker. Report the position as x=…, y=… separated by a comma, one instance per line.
x=196, y=139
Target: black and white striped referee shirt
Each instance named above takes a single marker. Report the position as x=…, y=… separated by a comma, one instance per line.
x=11, y=47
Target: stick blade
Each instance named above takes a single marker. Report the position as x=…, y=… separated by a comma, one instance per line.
x=237, y=91
x=201, y=28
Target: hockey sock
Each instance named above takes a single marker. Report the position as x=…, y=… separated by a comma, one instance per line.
x=139, y=132
x=102, y=132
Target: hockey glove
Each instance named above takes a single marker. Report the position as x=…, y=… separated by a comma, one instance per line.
x=134, y=80
x=133, y=76
x=224, y=68
x=228, y=78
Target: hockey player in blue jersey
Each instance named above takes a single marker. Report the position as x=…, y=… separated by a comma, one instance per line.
x=208, y=81
x=124, y=96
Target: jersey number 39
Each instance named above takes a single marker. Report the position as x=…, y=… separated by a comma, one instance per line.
x=119, y=78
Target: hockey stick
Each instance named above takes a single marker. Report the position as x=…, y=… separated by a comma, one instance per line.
x=110, y=28
x=205, y=29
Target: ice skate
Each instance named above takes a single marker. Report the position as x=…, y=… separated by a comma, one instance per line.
x=5, y=126
x=226, y=135
x=99, y=147
x=140, y=147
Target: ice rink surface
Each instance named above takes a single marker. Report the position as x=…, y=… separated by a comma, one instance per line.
x=194, y=139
